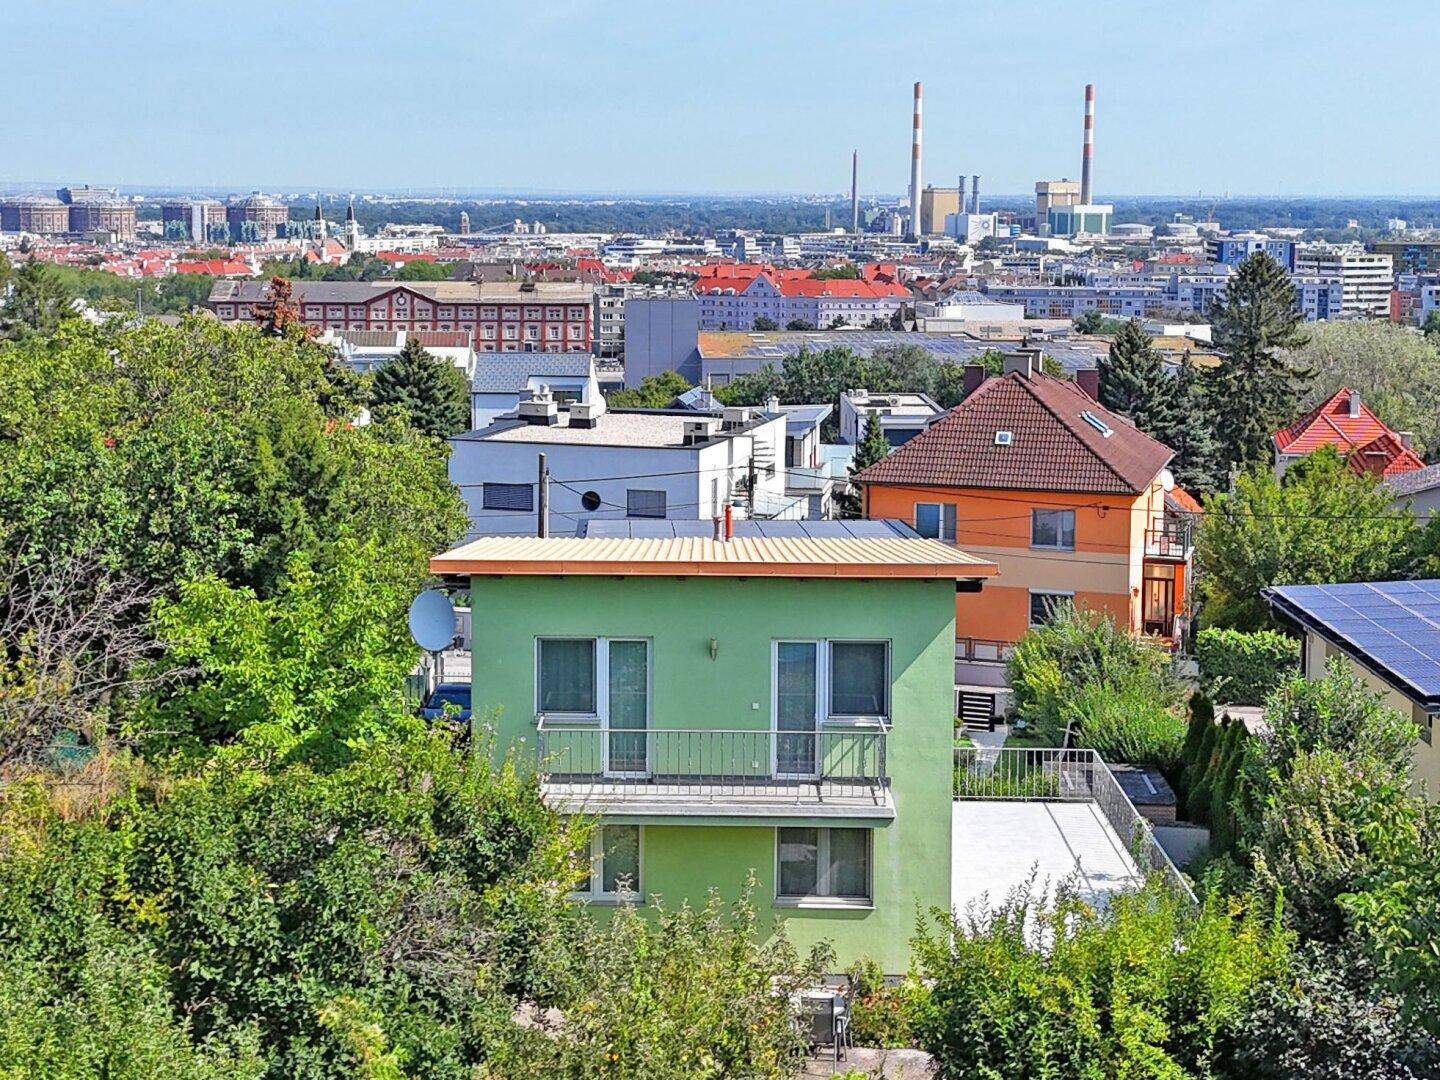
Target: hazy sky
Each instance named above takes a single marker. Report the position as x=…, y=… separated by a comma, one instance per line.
x=1238, y=96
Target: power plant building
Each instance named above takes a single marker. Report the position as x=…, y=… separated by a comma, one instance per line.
x=1080, y=219
x=937, y=204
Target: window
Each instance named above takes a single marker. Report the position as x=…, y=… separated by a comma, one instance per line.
x=936, y=520
x=644, y=504
x=507, y=497
x=565, y=676
x=1053, y=529
x=1043, y=604
x=859, y=678
x=614, y=864
x=822, y=864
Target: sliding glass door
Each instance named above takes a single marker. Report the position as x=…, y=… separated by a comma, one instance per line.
x=797, y=695
x=628, y=716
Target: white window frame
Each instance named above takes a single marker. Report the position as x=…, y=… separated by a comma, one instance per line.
x=1063, y=594
x=828, y=666
x=600, y=718
x=1074, y=527
x=819, y=899
x=954, y=512
x=592, y=892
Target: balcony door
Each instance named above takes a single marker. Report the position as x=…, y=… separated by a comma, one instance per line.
x=797, y=709
x=628, y=716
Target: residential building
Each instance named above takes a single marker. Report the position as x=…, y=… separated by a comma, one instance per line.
x=1235, y=249
x=501, y=382
x=901, y=416
x=370, y=350
x=1069, y=301
x=808, y=472
x=1319, y=297
x=1366, y=278
x=609, y=318
x=1347, y=424
x=499, y=316
x=621, y=463
x=1417, y=489
x=1067, y=498
x=1383, y=632
x=775, y=706
x=1411, y=256
x=735, y=302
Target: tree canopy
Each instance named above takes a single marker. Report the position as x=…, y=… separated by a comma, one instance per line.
x=427, y=391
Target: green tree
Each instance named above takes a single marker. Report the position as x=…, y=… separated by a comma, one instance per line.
x=1089, y=321
x=1255, y=390
x=1322, y=522
x=654, y=392
x=840, y=271
x=799, y=324
x=763, y=322
x=423, y=270
x=1133, y=381
x=429, y=392
x=872, y=447
x=1192, y=437
x=1431, y=326
x=38, y=301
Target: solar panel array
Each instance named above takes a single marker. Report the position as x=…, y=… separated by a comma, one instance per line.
x=1395, y=625
x=814, y=530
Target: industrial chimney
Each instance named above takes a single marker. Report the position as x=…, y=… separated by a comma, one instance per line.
x=975, y=193
x=855, y=191
x=960, y=204
x=915, y=170
x=1089, y=152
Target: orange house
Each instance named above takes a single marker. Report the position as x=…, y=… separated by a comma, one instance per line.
x=1070, y=501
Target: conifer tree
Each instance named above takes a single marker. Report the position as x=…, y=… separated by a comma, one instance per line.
x=871, y=448
x=428, y=391
x=1255, y=390
x=1133, y=381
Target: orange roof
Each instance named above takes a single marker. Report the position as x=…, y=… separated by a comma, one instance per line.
x=1384, y=456
x=1331, y=424
x=1184, y=501
x=690, y=556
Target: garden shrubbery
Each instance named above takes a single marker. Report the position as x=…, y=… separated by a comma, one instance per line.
x=1244, y=668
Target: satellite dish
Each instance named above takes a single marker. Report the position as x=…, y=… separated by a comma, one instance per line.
x=432, y=620
x=1167, y=480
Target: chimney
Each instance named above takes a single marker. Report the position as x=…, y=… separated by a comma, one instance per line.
x=855, y=191
x=1354, y=404
x=1019, y=362
x=1407, y=439
x=915, y=170
x=539, y=408
x=1089, y=152
x=1088, y=380
x=729, y=523
x=974, y=376
x=975, y=193
x=960, y=203
x=772, y=405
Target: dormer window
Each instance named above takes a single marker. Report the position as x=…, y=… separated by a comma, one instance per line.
x=1004, y=438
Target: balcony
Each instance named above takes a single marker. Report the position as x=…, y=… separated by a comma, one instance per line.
x=732, y=773
x=1170, y=542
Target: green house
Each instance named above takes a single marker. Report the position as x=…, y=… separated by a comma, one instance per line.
x=775, y=706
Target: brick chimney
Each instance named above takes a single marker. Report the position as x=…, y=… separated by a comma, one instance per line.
x=1088, y=380
x=974, y=376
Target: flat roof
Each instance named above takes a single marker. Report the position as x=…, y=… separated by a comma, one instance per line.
x=822, y=556
x=1391, y=627
x=998, y=844
x=611, y=428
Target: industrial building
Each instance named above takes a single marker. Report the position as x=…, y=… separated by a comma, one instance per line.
x=256, y=217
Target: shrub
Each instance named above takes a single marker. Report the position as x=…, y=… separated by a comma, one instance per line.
x=1130, y=722
x=1141, y=989
x=880, y=1014
x=1202, y=719
x=1244, y=668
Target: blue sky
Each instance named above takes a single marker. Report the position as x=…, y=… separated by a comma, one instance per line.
x=741, y=96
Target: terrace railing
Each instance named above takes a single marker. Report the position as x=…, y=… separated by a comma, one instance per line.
x=1064, y=776
x=844, y=763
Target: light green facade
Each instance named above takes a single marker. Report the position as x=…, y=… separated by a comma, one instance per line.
x=727, y=685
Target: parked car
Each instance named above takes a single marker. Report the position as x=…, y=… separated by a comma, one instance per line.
x=447, y=694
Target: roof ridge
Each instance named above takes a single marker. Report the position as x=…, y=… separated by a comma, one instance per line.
x=1071, y=428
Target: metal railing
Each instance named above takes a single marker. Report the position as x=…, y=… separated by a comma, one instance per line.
x=1064, y=776
x=1169, y=541
x=842, y=763
x=983, y=650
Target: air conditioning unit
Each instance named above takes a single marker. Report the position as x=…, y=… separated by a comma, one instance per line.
x=701, y=430
x=736, y=417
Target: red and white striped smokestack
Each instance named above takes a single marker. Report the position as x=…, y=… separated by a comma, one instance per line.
x=1089, y=154
x=915, y=170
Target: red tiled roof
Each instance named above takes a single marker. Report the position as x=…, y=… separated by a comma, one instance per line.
x=1053, y=447
x=1184, y=501
x=1330, y=424
x=1384, y=456
x=791, y=285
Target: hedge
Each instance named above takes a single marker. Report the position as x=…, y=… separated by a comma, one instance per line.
x=1243, y=668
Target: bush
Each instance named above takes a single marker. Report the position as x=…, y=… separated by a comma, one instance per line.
x=1142, y=989
x=1243, y=668
x=881, y=1015
x=1130, y=722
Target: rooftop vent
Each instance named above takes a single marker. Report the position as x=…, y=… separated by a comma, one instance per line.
x=1004, y=438
x=539, y=408
x=585, y=414
x=1099, y=425
x=701, y=430
x=736, y=417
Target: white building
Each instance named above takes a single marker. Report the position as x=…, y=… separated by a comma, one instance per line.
x=1365, y=277
x=502, y=380
x=902, y=416
x=610, y=465
x=370, y=350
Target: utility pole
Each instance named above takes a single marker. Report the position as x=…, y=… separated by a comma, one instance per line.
x=543, y=502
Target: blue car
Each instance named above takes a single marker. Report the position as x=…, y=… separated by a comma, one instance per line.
x=454, y=694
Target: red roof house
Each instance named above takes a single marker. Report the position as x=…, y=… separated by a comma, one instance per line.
x=1346, y=423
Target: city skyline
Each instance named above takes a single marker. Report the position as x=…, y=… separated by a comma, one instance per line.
x=578, y=98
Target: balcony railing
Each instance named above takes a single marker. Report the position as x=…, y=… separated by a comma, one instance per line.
x=1169, y=541
x=712, y=763
x=983, y=650
x=1063, y=776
